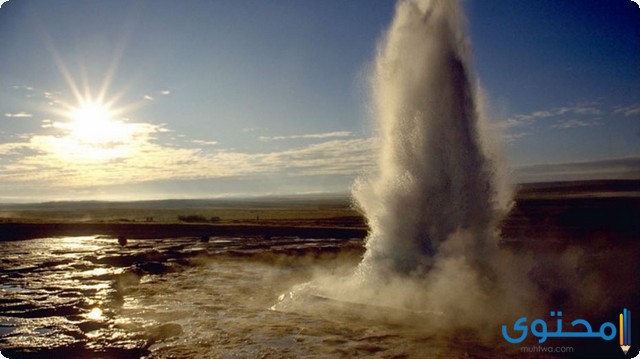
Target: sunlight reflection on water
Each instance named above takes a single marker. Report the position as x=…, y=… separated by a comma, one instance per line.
x=95, y=314
x=88, y=297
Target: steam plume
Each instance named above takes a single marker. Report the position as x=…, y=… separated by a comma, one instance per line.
x=434, y=178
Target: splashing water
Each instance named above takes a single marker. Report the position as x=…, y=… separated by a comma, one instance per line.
x=434, y=202
x=432, y=260
x=434, y=178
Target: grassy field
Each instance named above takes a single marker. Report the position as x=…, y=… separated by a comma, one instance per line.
x=171, y=215
x=573, y=211
x=313, y=210
x=315, y=217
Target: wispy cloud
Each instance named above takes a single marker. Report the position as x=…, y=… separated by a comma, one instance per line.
x=332, y=157
x=307, y=136
x=566, y=117
x=165, y=92
x=18, y=115
x=616, y=168
x=205, y=143
x=512, y=137
x=576, y=123
x=22, y=87
x=12, y=148
x=58, y=162
x=147, y=97
x=521, y=120
x=633, y=110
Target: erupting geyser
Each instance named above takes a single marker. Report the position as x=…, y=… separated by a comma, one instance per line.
x=434, y=201
x=435, y=180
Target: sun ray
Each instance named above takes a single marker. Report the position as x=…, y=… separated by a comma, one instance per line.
x=111, y=71
x=84, y=77
x=127, y=30
x=90, y=124
x=64, y=71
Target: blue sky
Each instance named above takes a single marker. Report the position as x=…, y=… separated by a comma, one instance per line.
x=182, y=99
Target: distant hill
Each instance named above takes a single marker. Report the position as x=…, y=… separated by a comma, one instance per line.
x=580, y=187
x=332, y=200
x=317, y=201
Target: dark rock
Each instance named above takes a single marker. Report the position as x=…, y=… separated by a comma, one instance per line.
x=117, y=260
x=61, y=310
x=90, y=326
x=126, y=260
x=153, y=268
x=164, y=331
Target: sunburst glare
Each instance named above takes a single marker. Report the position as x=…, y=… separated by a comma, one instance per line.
x=95, y=314
x=93, y=132
x=92, y=128
x=93, y=123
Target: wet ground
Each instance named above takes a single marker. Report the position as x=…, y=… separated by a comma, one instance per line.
x=88, y=297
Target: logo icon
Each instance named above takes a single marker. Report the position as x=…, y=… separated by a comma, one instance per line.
x=625, y=330
x=580, y=328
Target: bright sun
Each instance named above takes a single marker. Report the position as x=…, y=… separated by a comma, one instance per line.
x=91, y=130
x=93, y=134
x=93, y=124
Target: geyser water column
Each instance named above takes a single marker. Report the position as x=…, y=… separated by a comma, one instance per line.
x=434, y=181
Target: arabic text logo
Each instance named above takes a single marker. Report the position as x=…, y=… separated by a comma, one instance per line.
x=581, y=329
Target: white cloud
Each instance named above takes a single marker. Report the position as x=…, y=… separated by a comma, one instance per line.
x=206, y=143
x=332, y=157
x=22, y=87
x=18, y=115
x=585, y=110
x=12, y=148
x=632, y=110
x=307, y=136
x=616, y=168
x=165, y=92
x=582, y=115
x=512, y=137
x=521, y=120
x=576, y=123
x=147, y=97
x=58, y=161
